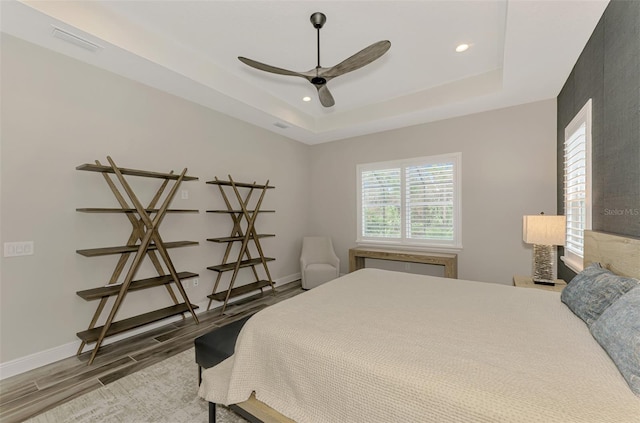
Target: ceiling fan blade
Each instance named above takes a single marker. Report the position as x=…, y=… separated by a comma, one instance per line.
x=358, y=60
x=326, y=99
x=269, y=68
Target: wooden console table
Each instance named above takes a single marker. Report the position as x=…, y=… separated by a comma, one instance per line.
x=449, y=261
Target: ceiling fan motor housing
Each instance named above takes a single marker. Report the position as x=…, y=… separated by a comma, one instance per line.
x=318, y=80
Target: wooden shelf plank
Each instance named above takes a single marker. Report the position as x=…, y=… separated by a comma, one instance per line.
x=113, y=289
x=245, y=263
x=239, y=211
x=237, y=238
x=220, y=296
x=116, y=210
x=134, y=172
x=240, y=184
x=91, y=335
x=94, y=252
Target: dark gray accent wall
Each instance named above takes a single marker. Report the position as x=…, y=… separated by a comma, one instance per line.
x=608, y=72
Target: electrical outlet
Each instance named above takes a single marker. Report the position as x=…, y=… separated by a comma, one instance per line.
x=407, y=266
x=196, y=281
x=15, y=249
x=185, y=194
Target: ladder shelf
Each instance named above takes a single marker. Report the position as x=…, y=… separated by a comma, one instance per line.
x=144, y=242
x=243, y=232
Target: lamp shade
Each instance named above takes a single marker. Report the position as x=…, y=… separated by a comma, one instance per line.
x=544, y=230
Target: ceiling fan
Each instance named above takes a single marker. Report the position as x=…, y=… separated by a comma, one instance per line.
x=319, y=76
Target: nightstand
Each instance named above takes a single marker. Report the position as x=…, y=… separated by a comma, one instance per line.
x=527, y=282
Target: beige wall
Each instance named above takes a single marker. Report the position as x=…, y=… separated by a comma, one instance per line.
x=508, y=170
x=58, y=113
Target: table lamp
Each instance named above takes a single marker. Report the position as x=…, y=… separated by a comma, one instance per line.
x=544, y=232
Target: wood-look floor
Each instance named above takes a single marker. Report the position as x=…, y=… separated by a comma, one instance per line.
x=29, y=394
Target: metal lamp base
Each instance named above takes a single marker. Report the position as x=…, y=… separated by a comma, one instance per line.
x=543, y=265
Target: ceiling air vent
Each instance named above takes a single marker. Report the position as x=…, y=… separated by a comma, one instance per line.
x=75, y=40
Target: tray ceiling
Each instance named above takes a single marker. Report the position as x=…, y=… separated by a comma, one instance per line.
x=520, y=51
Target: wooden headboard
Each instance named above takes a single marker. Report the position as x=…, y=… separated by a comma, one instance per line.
x=620, y=254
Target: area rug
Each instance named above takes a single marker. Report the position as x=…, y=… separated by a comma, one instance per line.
x=164, y=392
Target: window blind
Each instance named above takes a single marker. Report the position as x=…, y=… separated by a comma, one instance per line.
x=381, y=203
x=412, y=202
x=429, y=198
x=575, y=188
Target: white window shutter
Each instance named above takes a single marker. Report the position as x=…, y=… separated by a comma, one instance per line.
x=575, y=189
x=413, y=202
x=381, y=203
x=429, y=201
x=577, y=186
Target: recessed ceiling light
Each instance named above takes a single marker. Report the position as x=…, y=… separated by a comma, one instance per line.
x=462, y=47
x=307, y=98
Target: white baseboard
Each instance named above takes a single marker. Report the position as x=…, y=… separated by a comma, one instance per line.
x=42, y=358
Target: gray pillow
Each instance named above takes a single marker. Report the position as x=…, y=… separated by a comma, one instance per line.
x=618, y=331
x=593, y=290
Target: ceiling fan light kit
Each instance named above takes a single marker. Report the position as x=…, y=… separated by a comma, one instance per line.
x=319, y=76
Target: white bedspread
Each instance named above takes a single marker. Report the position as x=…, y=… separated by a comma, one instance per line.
x=379, y=346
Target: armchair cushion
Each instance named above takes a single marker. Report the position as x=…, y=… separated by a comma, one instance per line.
x=319, y=273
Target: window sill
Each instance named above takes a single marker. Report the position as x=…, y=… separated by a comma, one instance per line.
x=572, y=264
x=410, y=247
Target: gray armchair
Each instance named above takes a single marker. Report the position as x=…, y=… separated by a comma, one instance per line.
x=318, y=261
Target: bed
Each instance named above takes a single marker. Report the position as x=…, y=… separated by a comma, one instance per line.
x=381, y=346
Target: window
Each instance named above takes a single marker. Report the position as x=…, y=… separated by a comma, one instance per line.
x=577, y=186
x=413, y=202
